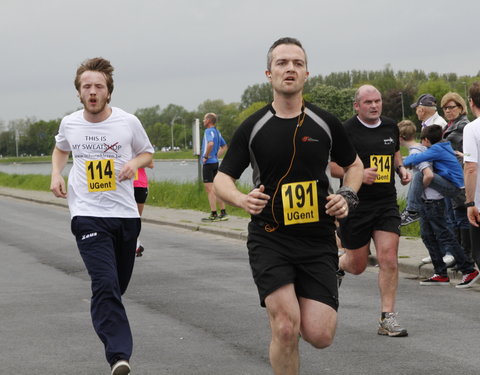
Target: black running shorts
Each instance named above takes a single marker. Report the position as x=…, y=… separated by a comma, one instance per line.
x=357, y=228
x=141, y=194
x=277, y=259
x=209, y=172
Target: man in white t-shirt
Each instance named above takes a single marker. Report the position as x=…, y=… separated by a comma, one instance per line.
x=108, y=145
x=471, y=157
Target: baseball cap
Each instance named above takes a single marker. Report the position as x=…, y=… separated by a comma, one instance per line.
x=426, y=100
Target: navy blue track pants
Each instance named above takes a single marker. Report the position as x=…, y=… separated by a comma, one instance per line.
x=107, y=247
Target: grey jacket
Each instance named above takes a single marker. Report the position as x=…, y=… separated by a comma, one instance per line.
x=454, y=132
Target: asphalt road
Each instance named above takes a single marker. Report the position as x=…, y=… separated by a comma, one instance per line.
x=194, y=310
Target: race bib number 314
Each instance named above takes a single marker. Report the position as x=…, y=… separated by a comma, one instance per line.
x=383, y=163
x=100, y=175
x=300, y=202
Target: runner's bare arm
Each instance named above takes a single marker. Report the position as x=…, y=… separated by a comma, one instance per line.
x=57, y=184
x=470, y=187
x=130, y=168
x=354, y=175
x=336, y=204
x=336, y=171
x=403, y=173
x=253, y=202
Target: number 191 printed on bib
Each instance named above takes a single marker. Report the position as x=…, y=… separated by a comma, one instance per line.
x=300, y=202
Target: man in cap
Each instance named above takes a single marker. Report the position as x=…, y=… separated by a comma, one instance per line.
x=426, y=110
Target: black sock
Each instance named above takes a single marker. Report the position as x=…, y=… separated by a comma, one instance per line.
x=223, y=212
x=214, y=213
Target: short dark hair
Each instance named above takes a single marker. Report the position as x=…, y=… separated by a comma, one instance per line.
x=285, y=40
x=433, y=133
x=475, y=93
x=97, y=64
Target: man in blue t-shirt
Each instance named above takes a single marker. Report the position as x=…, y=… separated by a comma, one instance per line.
x=213, y=146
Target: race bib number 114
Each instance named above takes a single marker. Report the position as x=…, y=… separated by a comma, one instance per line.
x=100, y=175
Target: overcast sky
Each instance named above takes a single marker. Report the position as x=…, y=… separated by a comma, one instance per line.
x=187, y=51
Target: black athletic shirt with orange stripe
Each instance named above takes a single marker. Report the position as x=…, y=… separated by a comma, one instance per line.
x=266, y=142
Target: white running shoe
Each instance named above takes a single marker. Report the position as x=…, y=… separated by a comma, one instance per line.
x=449, y=260
x=427, y=260
x=121, y=368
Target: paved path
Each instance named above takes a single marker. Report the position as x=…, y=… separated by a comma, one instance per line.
x=411, y=250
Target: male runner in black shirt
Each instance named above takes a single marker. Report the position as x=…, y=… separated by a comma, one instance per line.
x=291, y=241
x=376, y=140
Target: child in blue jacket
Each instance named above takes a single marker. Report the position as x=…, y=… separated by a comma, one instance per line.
x=448, y=173
x=436, y=236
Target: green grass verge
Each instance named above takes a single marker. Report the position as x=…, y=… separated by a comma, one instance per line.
x=25, y=181
x=26, y=159
x=411, y=230
x=188, y=195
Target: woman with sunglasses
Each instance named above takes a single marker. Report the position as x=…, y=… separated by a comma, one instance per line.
x=455, y=112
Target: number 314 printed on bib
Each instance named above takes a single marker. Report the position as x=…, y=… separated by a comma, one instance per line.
x=383, y=163
x=100, y=175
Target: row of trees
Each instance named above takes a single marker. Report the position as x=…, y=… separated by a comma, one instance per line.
x=333, y=92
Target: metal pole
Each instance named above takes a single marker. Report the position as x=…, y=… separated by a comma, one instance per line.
x=196, y=148
x=172, y=122
x=171, y=126
x=403, y=110
x=466, y=95
x=16, y=141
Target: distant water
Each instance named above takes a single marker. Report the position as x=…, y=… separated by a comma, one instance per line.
x=177, y=171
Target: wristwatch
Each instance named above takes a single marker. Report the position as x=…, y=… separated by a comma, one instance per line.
x=469, y=204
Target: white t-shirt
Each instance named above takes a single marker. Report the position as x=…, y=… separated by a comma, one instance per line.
x=471, y=150
x=99, y=152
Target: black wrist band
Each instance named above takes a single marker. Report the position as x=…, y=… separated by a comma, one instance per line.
x=469, y=204
x=397, y=169
x=350, y=196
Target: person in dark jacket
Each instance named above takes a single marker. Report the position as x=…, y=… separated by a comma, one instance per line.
x=455, y=112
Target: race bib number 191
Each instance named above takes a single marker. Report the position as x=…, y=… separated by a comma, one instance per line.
x=100, y=175
x=300, y=202
x=383, y=163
